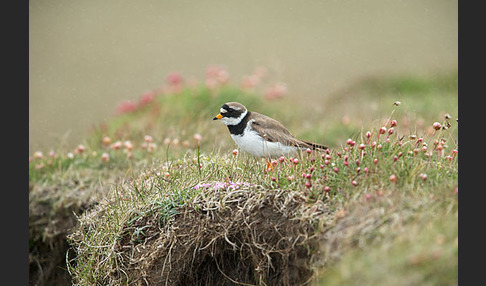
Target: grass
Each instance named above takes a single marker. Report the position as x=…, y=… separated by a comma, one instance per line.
x=179, y=207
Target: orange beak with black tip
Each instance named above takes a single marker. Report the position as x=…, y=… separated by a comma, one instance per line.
x=219, y=116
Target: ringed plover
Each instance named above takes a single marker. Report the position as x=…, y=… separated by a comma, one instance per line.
x=260, y=135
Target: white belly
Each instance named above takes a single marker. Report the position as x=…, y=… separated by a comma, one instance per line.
x=253, y=144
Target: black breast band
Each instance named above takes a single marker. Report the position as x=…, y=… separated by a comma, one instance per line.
x=240, y=127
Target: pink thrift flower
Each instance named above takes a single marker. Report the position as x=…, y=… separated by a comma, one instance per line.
x=106, y=141
x=146, y=97
x=174, y=79
x=105, y=157
x=197, y=137
x=436, y=125
x=423, y=176
x=125, y=107
x=276, y=91
x=148, y=138
x=38, y=155
x=250, y=81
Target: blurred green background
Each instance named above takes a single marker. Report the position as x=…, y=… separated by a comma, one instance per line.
x=87, y=56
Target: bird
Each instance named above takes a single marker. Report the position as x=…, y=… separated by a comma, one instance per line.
x=260, y=135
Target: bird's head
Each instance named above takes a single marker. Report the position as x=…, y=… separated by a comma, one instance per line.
x=231, y=113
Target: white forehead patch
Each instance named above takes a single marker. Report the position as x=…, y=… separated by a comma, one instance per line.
x=222, y=110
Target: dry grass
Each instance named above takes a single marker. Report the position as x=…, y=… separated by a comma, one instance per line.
x=182, y=215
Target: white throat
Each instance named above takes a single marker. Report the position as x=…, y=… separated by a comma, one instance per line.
x=234, y=121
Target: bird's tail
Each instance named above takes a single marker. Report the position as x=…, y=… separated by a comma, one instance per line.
x=313, y=146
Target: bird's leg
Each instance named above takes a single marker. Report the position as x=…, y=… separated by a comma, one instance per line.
x=269, y=165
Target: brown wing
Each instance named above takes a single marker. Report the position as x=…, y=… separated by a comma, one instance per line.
x=273, y=131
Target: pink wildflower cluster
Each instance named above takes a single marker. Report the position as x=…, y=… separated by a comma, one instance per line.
x=376, y=152
x=276, y=91
x=128, y=106
x=249, y=82
x=216, y=75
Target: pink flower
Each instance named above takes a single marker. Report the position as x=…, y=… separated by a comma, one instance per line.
x=105, y=157
x=146, y=97
x=125, y=107
x=128, y=145
x=250, y=81
x=216, y=75
x=281, y=159
x=38, y=155
x=174, y=78
x=454, y=152
x=106, y=141
x=148, y=138
x=393, y=123
x=151, y=147
x=80, y=149
x=393, y=178
x=197, y=137
x=117, y=145
x=436, y=125
x=423, y=176
x=277, y=90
